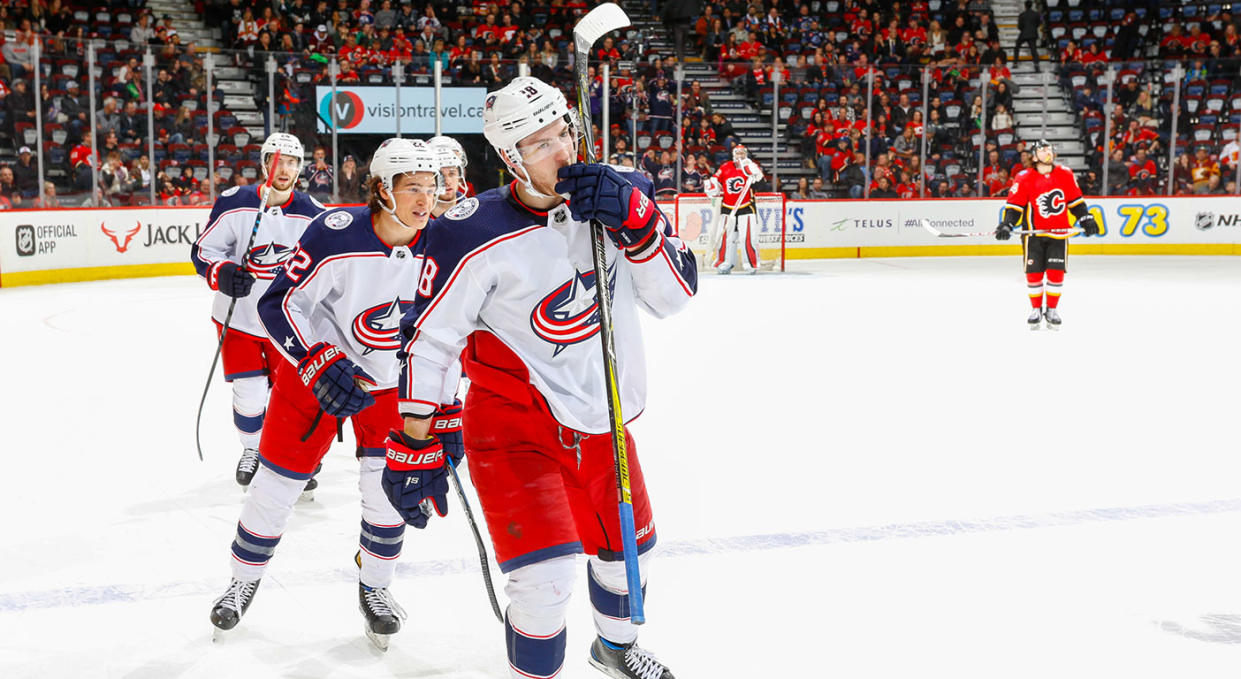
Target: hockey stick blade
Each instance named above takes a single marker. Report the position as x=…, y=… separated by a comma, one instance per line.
x=598, y=22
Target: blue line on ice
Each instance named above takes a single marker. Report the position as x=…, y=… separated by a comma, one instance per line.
x=106, y=594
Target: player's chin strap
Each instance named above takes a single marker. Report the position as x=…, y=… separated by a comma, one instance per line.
x=392, y=213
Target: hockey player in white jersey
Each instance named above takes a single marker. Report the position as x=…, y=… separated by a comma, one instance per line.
x=736, y=225
x=452, y=168
x=334, y=312
x=219, y=258
x=513, y=286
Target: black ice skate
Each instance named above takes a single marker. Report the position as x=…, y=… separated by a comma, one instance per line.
x=226, y=612
x=1052, y=318
x=308, y=493
x=626, y=661
x=383, y=614
x=1035, y=318
x=246, y=466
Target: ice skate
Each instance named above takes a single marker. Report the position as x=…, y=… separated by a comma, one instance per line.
x=1035, y=318
x=226, y=612
x=724, y=269
x=308, y=493
x=383, y=614
x=626, y=661
x=1052, y=318
x=246, y=466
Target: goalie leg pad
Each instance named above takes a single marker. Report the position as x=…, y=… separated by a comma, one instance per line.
x=747, y=227
x=264, y=516
x=609, y=597
x=249, y=406
x=383, y=530
x=534, y=627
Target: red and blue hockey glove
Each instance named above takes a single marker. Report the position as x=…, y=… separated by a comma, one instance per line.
x=1089, y=226
x=335, y=381
x=446, y=426
x=600, y=192
x=230, y=279
x=1003, y=232
x=415, y=473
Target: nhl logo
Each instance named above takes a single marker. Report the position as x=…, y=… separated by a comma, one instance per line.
x=559, y=217
x=1204, y=220
x=25, y=240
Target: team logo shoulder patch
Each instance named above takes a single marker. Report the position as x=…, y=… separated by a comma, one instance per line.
x=338, y=220
x=463, y=209
x=229, y=192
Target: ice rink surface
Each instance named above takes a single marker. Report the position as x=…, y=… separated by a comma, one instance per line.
x=870, y=468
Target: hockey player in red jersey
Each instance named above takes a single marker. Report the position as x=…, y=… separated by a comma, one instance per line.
x=218, y=256
x=1042, y=198
x=734, y=183
x=514, y=289
x=334, y=314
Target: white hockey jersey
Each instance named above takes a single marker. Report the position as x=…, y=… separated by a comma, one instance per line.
x=226, y=235
x=346, y=287
x=527, y=277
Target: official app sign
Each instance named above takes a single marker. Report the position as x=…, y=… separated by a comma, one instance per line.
x=372, y=110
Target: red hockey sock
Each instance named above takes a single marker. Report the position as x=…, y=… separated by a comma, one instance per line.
x=1035, y=282
x=1055, y=279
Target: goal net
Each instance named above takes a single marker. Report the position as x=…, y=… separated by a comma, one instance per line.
x=698, y=224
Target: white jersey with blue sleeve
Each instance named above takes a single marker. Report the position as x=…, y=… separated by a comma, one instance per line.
x=228, y=232
x=527, y=277
x=346, y=287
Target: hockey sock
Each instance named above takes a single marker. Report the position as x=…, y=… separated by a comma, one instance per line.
x=249, y=407
x=534, y=625
x=383, y=529
x=609, y=597
x=1055, y=280
x=1035, y=282
x=269, y=503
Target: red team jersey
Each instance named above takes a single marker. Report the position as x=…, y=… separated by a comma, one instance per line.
x=1048, y=198
x=736, y=181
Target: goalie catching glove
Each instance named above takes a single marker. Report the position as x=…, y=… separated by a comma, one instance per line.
x=335, y=381
x=600, y=192
x=415, y=473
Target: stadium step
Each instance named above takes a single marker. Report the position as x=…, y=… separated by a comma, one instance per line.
x=1054, y=105
x=234, y=86
x=237, y=103
x=1052, y=133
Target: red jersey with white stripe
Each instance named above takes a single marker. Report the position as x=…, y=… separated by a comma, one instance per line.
x=736, y=181
x=1045, y=199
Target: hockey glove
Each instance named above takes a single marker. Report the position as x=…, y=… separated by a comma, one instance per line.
x=1003, y=232
x=1089, y=226
x=600, y=192
x=231, y=279
x=415, y=473
x=446, y=426
x=335, y=380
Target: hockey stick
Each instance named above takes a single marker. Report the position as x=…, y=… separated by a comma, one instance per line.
x=599, y=21
x=926, y=224
x=254, y=230
x=478, y=540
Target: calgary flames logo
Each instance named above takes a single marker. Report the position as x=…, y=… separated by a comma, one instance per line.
x=1051, y=203
x=120, y=238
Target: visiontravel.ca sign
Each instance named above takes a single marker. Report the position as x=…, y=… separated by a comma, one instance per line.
x=373, y=110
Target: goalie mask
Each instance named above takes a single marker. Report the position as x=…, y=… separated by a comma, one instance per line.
x=399, y=156
x=740, y=153
x=520, y=109
x=287, y=145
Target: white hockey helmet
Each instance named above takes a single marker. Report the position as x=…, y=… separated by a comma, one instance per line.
x=396, y=156
x=518, y=110
x=445, y=142
x=740, y=152
x=287, y=145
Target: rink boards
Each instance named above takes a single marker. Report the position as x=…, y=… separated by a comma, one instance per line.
x=88, y=244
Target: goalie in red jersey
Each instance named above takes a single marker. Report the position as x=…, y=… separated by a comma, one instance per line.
x=734, y=181
x=1043, y=197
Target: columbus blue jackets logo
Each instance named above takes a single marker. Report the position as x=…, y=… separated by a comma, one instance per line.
x=265, y=259
x=379, y=327
x=1051, y=203
x=570, y=313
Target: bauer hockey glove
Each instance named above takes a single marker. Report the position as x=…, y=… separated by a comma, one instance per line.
x=415, y=473
x=600, y=192
x=231, y=279
x=1003, y=232
x=446, y=426
x=1089, y=226
x=335, y=381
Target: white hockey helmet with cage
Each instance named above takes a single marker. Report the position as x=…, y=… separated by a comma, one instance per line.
x=445, y=142
x=518, y=110
x=398, y=156
x=287, y=145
